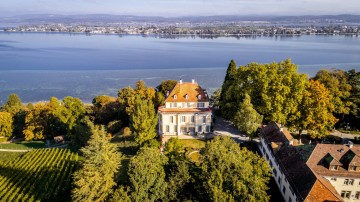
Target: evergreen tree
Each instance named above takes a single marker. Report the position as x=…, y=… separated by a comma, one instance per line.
x=228, y=92
x=247, y=119
x=143, y=120
x=147, y=176
x=353, y=78
x=233, y=174
x=95, y=179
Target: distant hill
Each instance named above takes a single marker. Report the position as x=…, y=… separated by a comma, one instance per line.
x=105, y=18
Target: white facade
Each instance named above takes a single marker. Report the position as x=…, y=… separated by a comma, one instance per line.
x=283, y=184
x=173, y=123
x=347, y=187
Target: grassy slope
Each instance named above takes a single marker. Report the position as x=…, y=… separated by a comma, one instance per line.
x=24, y=145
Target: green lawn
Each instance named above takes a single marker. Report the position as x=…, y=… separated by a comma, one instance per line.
x=24, y=145
x=193, y=143
x=9, y=156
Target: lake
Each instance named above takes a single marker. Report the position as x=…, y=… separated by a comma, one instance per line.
x=39, y=65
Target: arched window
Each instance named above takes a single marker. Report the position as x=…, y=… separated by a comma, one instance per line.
x=175, y=97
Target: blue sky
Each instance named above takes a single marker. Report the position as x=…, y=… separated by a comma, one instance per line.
x=180, y=7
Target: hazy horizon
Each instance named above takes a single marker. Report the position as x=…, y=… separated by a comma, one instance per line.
x=176, y=8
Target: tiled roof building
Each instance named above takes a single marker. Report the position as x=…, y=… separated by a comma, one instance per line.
x=325, y=172
x=186, y=111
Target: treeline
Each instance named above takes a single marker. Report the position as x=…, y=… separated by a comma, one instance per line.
x=224, y=172
x=73, y=119
x=277, y=92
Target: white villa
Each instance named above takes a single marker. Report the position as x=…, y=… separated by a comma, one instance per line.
x=186, y=111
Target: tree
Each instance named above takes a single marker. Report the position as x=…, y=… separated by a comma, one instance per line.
x=95, y=179
x=317, y=108
x=73, y=110
x=106, y=109
x=233, y=174
x=143, y=120
x=13, y=104
x=336, y=82
x=15, y=107
x=173, y=147
x=81, y=132
x=147, y=175
x=6, y=124
x=247, y=119
x=166, y=86
x=178, y=181
x=229, y=91
x=353, y=78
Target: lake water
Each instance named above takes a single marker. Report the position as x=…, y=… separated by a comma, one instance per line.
x=39, y=65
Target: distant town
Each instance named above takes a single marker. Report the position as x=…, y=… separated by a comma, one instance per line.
x=198, y=29
x=194, y=26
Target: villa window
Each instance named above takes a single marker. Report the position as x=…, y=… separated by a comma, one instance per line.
x=199, y=128
x=333, y=179
x=349, y=182
x=357, y=195
x=192, y=119
x=333, y=167
x=199, y=97
x=171, y=119
x=200, y=105
x=284, y=189
x=208, y=129
x=275, y=172
x=187, y=96
x=175, y=97
x=174, y=105
x=345, y=194
x=188, y=104
x=352, y=168
x=204, y=119
x=175, y=129
x=183, y=119
x=167, y=129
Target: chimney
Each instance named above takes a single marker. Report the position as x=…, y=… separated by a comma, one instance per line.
x=351, y=144
x=193, y=81
x=180, y=81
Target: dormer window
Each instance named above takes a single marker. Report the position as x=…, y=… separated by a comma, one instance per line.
x=352, y=168
x=334, y=167
x=187, y=96
x=175, y=97
x=199, y=97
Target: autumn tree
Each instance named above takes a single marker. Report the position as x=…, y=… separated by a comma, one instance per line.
x=95, y=178
x=276, y=90
x=335, y=81
x=6, y=124
x=106, y=109
x=246, y=118
x=143, y=120
x=15, y=107
x=233, y=174
x=317, y=107
x=13, y=104
x=147, y=175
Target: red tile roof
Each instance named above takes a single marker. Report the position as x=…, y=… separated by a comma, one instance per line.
x=187, y=89
x=341, y=152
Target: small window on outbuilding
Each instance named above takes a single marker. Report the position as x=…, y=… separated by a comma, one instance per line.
x=175, y=97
